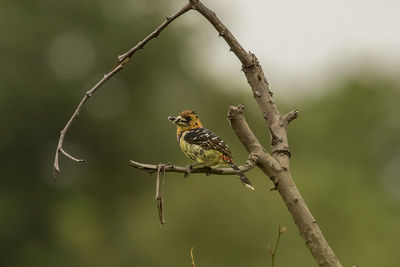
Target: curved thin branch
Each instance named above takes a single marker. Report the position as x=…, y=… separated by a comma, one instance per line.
x=155, y=33
x=122, y=60
x=250, y=164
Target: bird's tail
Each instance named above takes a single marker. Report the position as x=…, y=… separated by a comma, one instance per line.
x=242, y=177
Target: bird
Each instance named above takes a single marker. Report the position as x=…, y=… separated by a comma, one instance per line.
x=202, y=145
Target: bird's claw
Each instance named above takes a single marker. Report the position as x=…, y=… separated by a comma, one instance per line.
x=188, y=171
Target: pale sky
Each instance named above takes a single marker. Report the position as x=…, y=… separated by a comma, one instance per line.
x=305, y=41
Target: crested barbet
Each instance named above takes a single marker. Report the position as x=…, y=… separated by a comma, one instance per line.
x=202, y=145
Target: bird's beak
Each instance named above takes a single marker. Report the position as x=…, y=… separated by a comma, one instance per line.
x=175, y=119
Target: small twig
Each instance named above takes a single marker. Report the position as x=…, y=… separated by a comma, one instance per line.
x=160, y=193
x=163, y=182
x=273, y=253
x=155, y=33
x=192, y=258
x=286, y=119
x=251, y=163
x=70, y=156
x=122, y=60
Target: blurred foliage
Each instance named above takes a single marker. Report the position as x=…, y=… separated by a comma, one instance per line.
x=102, y=213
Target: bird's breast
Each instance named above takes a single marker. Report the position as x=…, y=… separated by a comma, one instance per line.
x=209, y=157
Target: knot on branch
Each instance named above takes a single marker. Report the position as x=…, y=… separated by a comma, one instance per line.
x=256, y=94
x=250, y=62
x=275, y=181
x=285, y=151
x=234, y=111
x=274, y=138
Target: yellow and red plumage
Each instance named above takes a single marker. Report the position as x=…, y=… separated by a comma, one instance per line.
x=202, y=145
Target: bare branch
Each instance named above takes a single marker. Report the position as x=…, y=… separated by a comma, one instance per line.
x=160, y=193
x=308, y=228
x=250, y=141
x=122, y=60
x=286, y=119
x=155, y=33
x=223, y=32
x=281, y=231
x=251, y=163
x=88, y=94
x=242, y=129
x=254, y=74
x=70, y=156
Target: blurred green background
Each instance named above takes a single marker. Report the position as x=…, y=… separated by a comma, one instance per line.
x=345, y=149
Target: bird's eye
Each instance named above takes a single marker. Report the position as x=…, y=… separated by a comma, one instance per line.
x=188, y=118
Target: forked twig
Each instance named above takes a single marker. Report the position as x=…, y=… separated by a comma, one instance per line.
x=281, y=231
x=121, y=62
x=160, y=192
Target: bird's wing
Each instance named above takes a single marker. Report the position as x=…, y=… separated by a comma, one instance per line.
x=207, y=140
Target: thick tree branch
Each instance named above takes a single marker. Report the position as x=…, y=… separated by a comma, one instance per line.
x=251, y=163
x=223, y=32
x=250, y=141
x=256, y=78
x=283, y=181
x=122, y=60
x=242, y=129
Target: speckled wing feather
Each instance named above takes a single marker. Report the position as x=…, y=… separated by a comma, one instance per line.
x=207, y=140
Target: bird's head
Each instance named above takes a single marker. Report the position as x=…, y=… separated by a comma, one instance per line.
x=186, y=120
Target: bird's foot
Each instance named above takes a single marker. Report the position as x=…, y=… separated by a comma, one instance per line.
x=188, y=171
x=209, y=171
